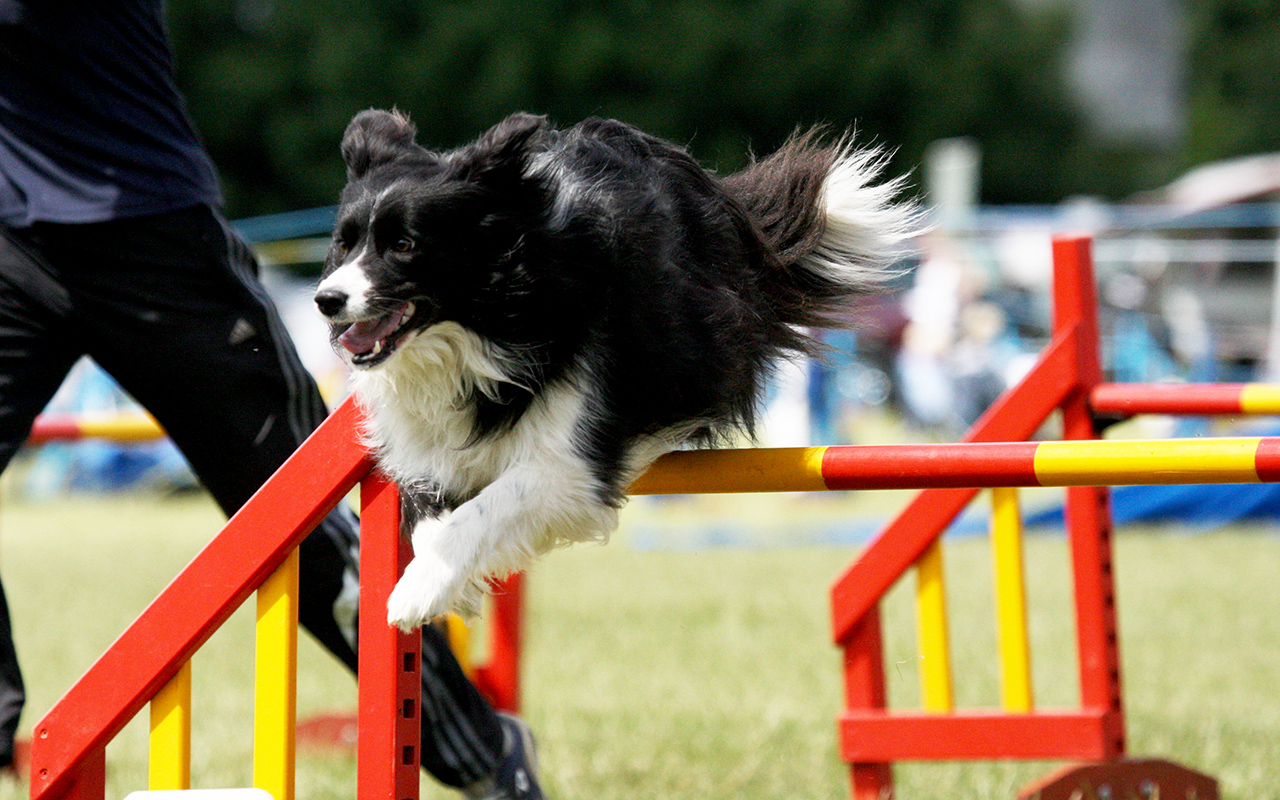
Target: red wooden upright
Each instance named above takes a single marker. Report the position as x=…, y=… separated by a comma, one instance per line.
x=388, y=754
x=499, y=678
x=1088, y=514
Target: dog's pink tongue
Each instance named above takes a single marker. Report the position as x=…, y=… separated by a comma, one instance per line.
x=362, y=336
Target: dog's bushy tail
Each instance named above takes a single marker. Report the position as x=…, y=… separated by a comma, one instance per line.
x=834, y=229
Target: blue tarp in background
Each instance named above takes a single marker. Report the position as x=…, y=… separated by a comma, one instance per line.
x=1203, y=505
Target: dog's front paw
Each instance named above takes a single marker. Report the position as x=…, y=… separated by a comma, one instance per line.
x=429, y=588
x=424, y=591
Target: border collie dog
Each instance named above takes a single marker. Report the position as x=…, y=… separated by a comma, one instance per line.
x=535, y=317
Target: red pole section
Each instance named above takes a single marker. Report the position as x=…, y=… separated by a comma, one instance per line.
x=55, y=429
x=1175, y=398
x=949, y=466
x=499, y=679
x=390, y=688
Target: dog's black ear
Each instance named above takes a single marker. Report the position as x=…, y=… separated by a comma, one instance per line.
x=375, y=137
x=505, y=148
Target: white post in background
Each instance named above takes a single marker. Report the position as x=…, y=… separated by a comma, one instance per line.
x=952, y=178
x=1273, y=338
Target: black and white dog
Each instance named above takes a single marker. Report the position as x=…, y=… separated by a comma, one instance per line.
x=534, y=318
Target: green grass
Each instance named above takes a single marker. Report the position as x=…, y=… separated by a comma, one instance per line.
x=698, y=674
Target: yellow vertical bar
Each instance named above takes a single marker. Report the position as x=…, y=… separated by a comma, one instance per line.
x=931, y=621
x=169, y=765
x=1011, y=600
x=460, y=642
x=275, y=682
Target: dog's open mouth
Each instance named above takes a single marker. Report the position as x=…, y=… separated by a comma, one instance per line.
x=372, y=341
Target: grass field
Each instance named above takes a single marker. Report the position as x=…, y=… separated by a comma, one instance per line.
x=697, y=673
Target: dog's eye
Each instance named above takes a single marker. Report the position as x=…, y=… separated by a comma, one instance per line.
x=403, y=245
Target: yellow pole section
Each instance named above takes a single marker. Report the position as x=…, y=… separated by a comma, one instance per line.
x=1011, y=600
x=169, y=765
x=783, y=469
x=1260, y=398
x=275, y=682
x=1168, y=461
x=459, y=642
x=121, y=428
x=931, y=622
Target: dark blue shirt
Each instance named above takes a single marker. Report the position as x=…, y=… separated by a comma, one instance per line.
x=92, y=126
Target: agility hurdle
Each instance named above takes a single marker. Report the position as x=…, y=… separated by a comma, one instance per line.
x=1066, y=379
x=68, y=750
x=149, y=659
x=994, y=454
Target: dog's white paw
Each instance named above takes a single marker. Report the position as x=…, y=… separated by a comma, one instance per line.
x=427, y=589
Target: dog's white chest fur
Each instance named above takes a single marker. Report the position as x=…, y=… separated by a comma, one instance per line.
x=530, y=489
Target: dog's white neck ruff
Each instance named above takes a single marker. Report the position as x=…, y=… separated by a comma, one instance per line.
x=420, y=425
x=419, y=418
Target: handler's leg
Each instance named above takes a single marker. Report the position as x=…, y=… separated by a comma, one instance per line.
x=35, y=355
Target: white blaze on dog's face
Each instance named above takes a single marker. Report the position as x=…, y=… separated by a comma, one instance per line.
x=421, y=237
x=350, y=280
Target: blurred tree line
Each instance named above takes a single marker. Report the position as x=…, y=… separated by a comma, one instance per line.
x=272, y=83
x=1234, y=85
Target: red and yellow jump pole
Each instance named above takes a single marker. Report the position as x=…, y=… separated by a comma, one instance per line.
x=978, y=464
x=129, y=427
x=1127, y=399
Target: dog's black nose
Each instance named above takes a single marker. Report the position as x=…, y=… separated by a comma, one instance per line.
x=331, y=302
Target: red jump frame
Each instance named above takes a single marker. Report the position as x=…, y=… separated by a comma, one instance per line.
x=872, y=737
x=69, y=745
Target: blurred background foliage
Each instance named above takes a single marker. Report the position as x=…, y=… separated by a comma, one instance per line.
x=272, y=83
x=1234, y=82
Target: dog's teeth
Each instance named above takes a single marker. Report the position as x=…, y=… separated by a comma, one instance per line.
x=377, y=347
x=409, y=310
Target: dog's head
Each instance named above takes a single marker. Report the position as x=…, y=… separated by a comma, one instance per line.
x=423, y=237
